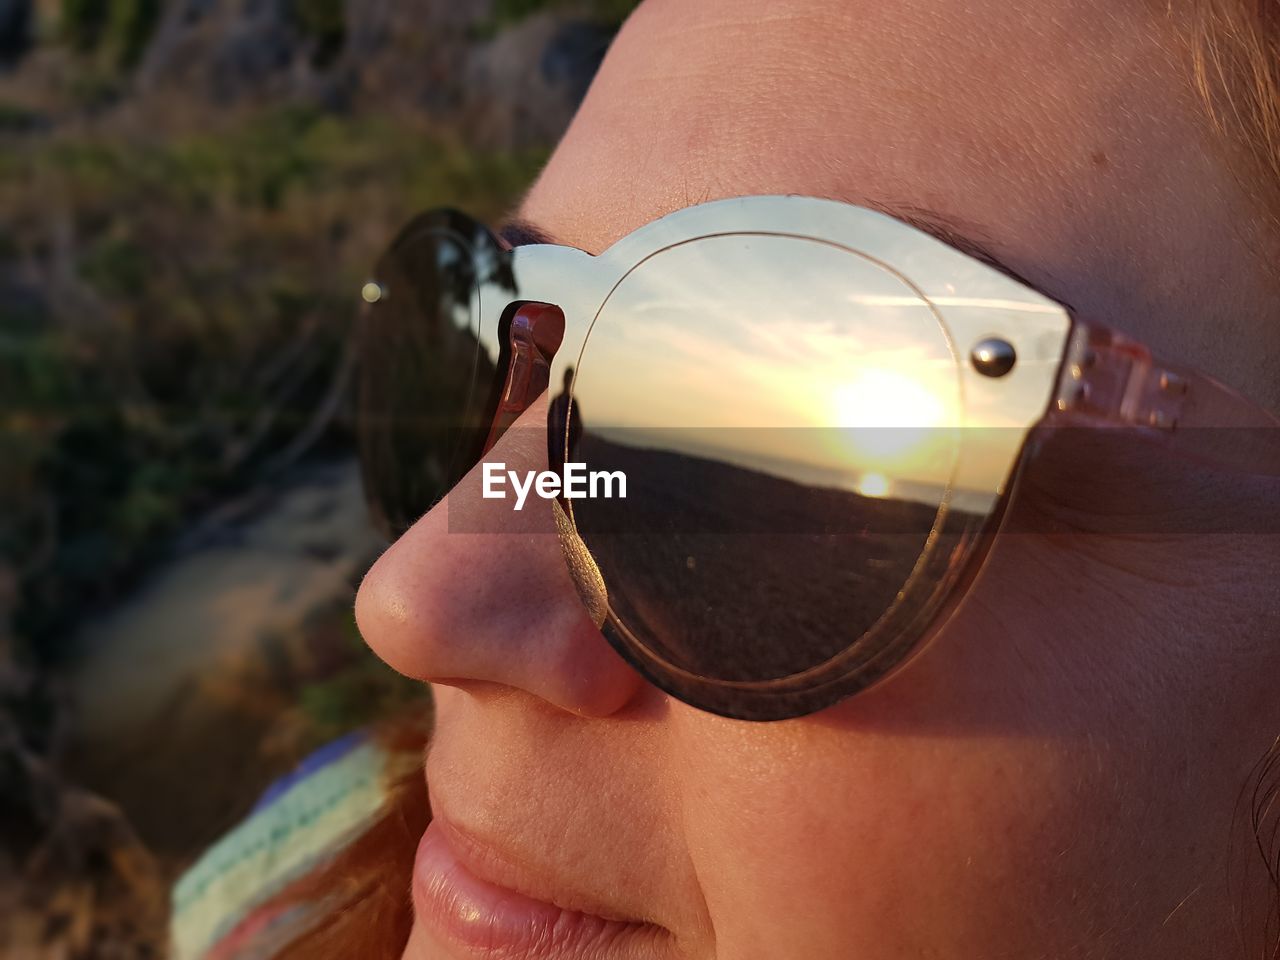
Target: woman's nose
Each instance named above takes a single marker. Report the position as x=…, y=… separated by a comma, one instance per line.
x=477, y=594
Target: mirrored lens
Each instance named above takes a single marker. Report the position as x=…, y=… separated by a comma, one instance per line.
x=424, y=381
x=786, y=414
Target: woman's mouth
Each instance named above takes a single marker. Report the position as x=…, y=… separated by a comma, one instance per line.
x=490, y=920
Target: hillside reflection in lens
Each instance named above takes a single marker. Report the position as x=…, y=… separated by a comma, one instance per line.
x=787, y=414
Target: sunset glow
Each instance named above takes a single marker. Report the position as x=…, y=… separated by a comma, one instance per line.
x=874, y=485
x=890, y=420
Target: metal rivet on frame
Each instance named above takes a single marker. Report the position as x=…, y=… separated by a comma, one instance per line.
x=993, y=357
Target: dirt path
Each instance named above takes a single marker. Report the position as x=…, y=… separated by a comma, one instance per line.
x=176, y=690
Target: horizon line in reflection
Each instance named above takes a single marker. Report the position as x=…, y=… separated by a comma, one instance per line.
x=873, y=483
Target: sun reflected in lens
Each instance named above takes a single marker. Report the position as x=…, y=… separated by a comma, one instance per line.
x=874, y=485
x=887, y=398
x=888, y=417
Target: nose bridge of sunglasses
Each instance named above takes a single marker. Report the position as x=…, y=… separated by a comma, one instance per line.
x=531, y=334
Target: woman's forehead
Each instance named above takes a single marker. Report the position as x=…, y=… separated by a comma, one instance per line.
x=1070, y=136
x=920, y=103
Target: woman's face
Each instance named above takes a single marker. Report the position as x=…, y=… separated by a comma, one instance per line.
x=1056, y=776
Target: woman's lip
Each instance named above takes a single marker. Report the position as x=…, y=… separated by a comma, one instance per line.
x=495, y=921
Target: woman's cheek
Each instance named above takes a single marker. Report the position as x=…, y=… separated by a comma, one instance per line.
x=828, y=843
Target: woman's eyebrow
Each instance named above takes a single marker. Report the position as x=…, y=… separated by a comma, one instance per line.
x=515, y=232
x=965, y=237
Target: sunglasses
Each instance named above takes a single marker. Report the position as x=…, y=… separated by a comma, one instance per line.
x=818, y=413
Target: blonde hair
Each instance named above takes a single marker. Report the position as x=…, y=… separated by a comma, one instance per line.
x=1235, y=60
x=1235, y=67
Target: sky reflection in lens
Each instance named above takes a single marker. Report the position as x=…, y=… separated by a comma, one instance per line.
x=792, y=356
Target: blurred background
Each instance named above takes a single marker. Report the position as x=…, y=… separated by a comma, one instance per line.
x=191, y=193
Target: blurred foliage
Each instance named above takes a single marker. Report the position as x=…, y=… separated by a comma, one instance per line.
x=17, y=119
x=130, y=27
x=118, y=29
x=324, y=22
x=82, y=23
x=174, y=322
x=507, y=13
x=360, y=692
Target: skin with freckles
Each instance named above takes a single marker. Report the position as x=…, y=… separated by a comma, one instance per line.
x=1057, y=775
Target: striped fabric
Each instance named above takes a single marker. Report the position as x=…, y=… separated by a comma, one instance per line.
x=301, y=821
